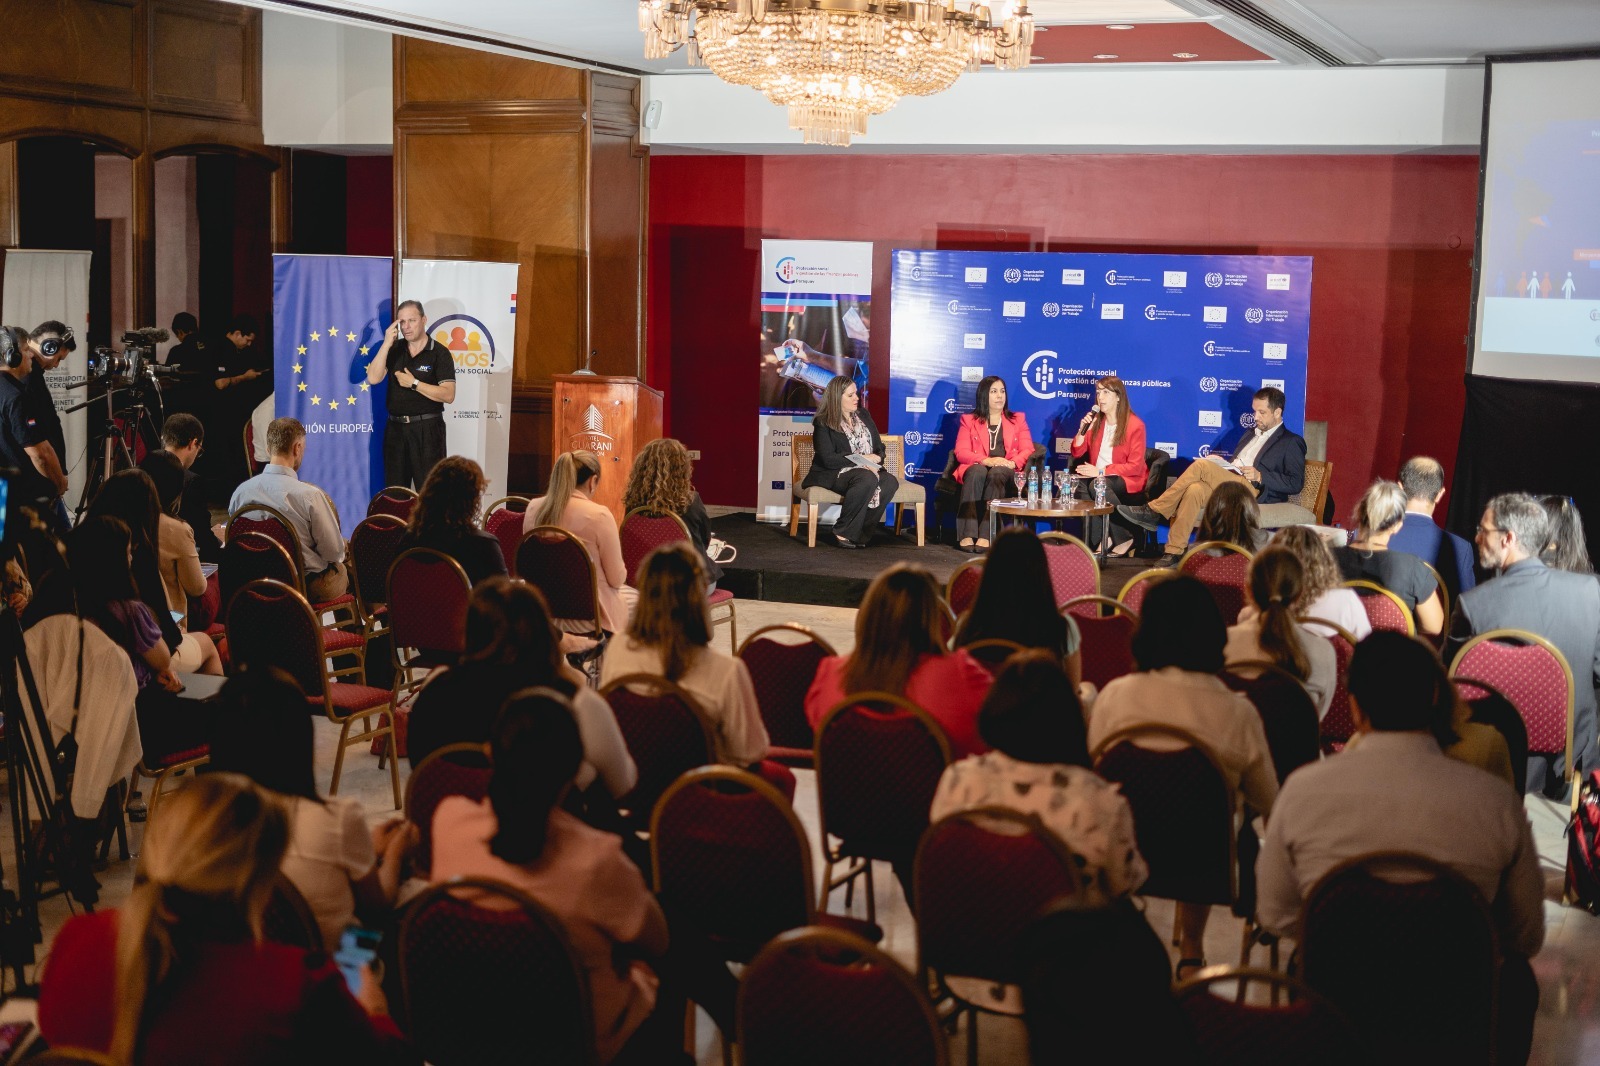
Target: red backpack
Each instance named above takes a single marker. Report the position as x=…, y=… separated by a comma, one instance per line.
x=1583, y=846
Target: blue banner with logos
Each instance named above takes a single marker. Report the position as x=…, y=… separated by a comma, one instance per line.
x=1192, y=337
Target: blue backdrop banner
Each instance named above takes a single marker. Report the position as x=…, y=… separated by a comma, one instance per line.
x=329, y=314
x=1192, y=337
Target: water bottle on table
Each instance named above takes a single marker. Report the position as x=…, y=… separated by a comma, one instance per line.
x=1044, y=486
x=1100, y=490
x=1033, y=488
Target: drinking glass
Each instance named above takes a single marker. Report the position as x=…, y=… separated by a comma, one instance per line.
x=1021, y=479
x=1063, y=477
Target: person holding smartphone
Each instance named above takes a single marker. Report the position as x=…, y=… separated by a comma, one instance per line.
x=422, y=379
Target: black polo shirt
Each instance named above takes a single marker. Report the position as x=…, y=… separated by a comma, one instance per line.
x=432, y=366
x=20, y=430
x=43, y=406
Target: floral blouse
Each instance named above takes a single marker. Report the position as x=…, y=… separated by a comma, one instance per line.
x=1086, y=813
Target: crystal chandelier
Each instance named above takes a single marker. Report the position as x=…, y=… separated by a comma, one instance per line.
x=834, y=62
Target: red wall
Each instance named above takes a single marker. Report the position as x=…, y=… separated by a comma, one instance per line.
x=369, y=205
x=1391, y=238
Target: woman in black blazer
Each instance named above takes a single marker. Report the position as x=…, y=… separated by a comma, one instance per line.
x=841, y=429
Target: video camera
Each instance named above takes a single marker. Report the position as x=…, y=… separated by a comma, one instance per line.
x=136, y=361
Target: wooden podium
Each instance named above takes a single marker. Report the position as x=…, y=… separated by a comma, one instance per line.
x=611, y=416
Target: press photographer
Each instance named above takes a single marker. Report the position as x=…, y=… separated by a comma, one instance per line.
x=24, y=439
x=52, y=341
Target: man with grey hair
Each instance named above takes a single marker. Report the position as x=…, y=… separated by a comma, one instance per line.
x=1563, y=608
x=1423, y=481
x=306, y=508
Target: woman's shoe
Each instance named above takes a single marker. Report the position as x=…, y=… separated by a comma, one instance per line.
x=1121, y=551
x=843, y=543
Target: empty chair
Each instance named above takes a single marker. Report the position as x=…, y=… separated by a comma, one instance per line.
x=1106, y=640
x=1532, y=673
x=396, y=500
x=503, y=518
x=1073, y=570
x=374, y=546
x=427, y=612
x=782, y=671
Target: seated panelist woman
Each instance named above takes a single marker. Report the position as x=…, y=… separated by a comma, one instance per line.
x=992, y=443
x=848, y=459
x=1110, y=441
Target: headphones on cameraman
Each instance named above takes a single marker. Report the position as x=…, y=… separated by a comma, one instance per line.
x=12, y=339
x=51, y=345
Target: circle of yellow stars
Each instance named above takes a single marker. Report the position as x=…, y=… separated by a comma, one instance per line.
x=299, y=367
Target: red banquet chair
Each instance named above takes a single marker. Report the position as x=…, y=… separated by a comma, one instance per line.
x=982, y=877
x=782, y=672
x=1288, y=713
x=396, y=500
x=961, y=591
x=502, y=519
x=1532, y=673
x=642, y=532
x=250, y=556
x=374, y=546
x=993, y=652
x=1073, y=570
x=453, y=770
x=1107, y=645
x=289, y=919
x=666, y=732
x=816, y=995
x=427, y=600
x=1234, y=1031
x=1132, y=594
x=486, y=969
x=260, y=518
x=1224, y=569
x=729, y=856
x=879, y=758
x=1337, y=725
x=272, y=624
x=1384, y=609
x=558, y=564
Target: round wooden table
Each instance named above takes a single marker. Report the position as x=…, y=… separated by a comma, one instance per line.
x=1057, y=511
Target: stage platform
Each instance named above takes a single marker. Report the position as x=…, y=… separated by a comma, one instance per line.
x=772, y=565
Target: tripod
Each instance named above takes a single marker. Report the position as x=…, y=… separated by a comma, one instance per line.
x=114, y=440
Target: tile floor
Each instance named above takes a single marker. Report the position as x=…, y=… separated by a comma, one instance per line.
x=1568, y=1028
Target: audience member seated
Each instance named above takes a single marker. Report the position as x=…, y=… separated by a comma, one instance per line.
x=661, y=482
x=178, y=974
x=342, y=868
x=567, y=504
x=1267, y=628
x=1378, y=516
x=446, y=519
x=183, y=437
x=900, y=650
x=130, y=497
x=306, y=508
x=1562, y=607
x=1395, y=791
x=1039, y=764
x=670, y=636
x=1179, y=651
x=181, y=575
x=1321, y=593
x=520, y=835
x=1232, y=515
x=1565, y=547
x=1422, y=481
x=1016, y=602
x=512, y=645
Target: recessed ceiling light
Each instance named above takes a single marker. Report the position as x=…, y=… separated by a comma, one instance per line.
x=1105, y=55
x=1120, y=26
x=1186, y=55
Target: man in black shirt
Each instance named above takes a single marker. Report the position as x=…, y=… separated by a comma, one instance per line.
x=190, y=357
x=51, y=341
x=422, y=379
x=24, y=443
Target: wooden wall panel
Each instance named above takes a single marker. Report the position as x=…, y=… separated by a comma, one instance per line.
x=432, y=71
x=228, y=84
x=76, y=48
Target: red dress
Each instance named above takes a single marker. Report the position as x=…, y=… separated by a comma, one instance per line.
x=231, y=1004
x=949, y=687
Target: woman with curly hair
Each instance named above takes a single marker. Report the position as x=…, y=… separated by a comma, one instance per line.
x=446, y=519
x=1323, y=596
x=661, y=482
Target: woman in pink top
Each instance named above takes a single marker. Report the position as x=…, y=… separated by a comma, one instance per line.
x=567, y=504
x=520, y=835
x=900, y=649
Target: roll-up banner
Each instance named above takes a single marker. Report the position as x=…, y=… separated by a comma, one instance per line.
x=816, y=311
x=1192, y=337
x=41, y=286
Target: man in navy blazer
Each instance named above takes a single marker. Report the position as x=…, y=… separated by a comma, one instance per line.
x=1271, y=460
x=1562, y=607
x=1423, y=480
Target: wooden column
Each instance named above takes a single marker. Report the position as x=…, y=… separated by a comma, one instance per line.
x=511, y=160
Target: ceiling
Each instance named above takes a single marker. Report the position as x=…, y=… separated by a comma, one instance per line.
x=1169, y=32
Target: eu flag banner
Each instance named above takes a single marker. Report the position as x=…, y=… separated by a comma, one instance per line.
x=329, y=314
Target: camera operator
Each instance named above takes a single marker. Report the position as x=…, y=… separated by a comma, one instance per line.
x=51, y=342
x=191, y=358
x=24, y=443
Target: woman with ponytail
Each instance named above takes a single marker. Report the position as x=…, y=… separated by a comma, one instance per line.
x=521, y=835
x=1269, y=630
x=567, y=504
x=180, y=975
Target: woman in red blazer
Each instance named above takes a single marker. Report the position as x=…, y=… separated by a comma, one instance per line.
x=992, y=444
x=1111, y=441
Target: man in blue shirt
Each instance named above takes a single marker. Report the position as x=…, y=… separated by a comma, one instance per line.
x=306, y=508
x=1423, y=480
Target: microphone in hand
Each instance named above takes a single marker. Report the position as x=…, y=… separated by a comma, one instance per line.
x=1089, y=417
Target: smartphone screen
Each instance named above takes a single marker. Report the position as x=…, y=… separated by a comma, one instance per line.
x=358, y=949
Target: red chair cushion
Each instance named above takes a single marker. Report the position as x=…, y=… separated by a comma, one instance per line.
x=351, y=699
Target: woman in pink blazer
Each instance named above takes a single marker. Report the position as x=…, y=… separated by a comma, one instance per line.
x=992, y=444
x=1110, y=441
x=567, y=504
